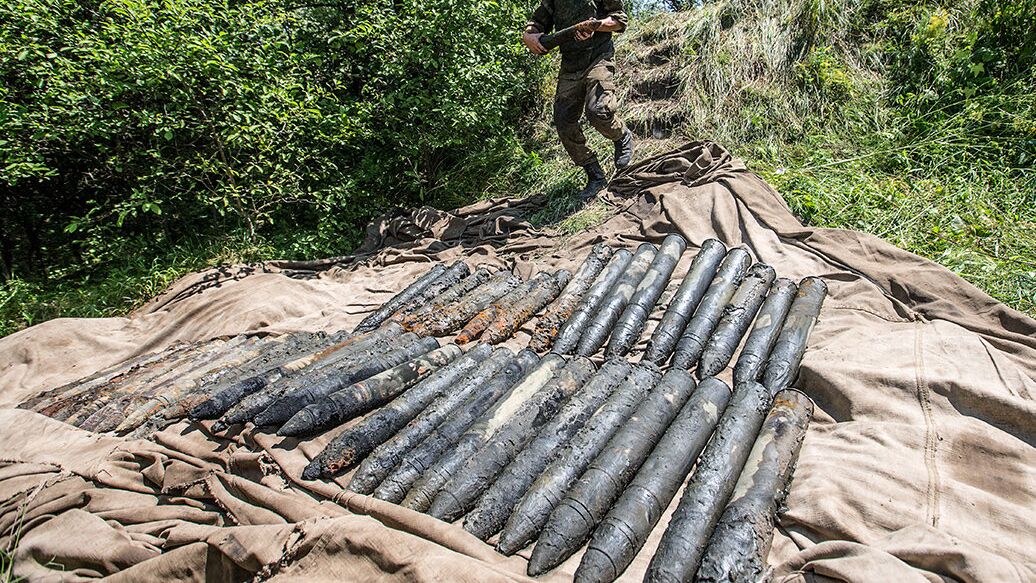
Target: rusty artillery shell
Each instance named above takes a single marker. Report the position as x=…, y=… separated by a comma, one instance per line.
x=468, y=483
x=684, y=302
x=375, y=319
x=768, y=324
x=105, y=410
x=341, y=377
x=508, y=320
x=452, y=294
x=456, y=314
x=277, y=348
x=493, y=508
x=478, y=324
x=604, y=319
x=384, y=459
x=546, y=492
x=737, y=316
x=78, y=405
x=589, y=499
x=318, y=369
x=224, y=399
x=572, y=330
x=629, y=326
x=423, y=492
x=363, y=396
x=741, y=539
x=562, y=308
x=416, y=462
x=626, y=527
x=449, y=278
x=696, y=334
x=710, y=486
x=146, y=404
x=113, y=374
x=782, y=367
x=137, y=401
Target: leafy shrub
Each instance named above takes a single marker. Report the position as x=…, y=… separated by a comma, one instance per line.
x=131, y=119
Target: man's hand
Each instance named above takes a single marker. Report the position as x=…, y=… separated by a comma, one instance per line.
x=585, y=29
x=532, y=42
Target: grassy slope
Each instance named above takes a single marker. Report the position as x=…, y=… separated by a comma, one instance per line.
x=820, y=122
x=820, y=125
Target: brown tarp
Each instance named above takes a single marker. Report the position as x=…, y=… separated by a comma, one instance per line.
x=919, y=466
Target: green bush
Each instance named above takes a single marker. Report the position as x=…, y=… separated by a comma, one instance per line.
x=130, y=118
x=133, y=130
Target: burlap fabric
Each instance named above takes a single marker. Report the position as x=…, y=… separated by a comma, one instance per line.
x=919, y=466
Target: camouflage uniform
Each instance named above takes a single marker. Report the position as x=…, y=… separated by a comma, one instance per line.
x=585, y=81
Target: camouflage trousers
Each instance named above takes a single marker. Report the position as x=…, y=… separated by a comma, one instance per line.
x=591, y=91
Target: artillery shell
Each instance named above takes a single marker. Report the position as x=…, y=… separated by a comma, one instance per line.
x=710, y=486
x=226, y=398
x=105, y=410
x=384, y=459
x=314, y=372
x=740, y=542
x=493, y=508
x=360, y=439
x=626, y=527
x=341, y=377
x=362, y=397
x=627, y=330
x=768, y=324
x=399, y=300
x=396, y=485
x=455, y=315
x=79, y=405
x=449, y=278
x=146, y=404
x=783, y=365
x=737, y=316
x=604, y=319
x=558, y=312
x=684, y=302
x=535, y=507
x=586, y=503
x=423, y=492
x=483, y=319
x=109, y=375
x=572, y=329
x=510, y=319
x=454, y=293
x=709, y=311
x=481, y=469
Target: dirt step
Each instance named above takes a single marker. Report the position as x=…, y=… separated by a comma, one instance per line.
x=658, y=86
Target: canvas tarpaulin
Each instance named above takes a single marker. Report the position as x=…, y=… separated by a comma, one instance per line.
x=920, y=464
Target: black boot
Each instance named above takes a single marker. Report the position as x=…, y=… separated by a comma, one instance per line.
x=624, y=150
x=595, y=180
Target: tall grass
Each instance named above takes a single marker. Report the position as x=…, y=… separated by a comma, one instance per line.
x=864, y=115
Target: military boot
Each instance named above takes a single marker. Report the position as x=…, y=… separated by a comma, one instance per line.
x=624, y=150
x=595, y=180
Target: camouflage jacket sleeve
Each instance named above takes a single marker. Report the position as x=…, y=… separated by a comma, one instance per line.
x=613, y=8
x=542, y=19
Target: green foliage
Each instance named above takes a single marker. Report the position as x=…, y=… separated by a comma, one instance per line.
x=912, y=121
x=142, y=140
x=135, y=122
x=821, y=71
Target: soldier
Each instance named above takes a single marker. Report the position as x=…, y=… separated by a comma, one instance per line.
x=585, y=81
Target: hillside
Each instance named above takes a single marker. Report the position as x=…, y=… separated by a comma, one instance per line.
x=144, y=141
x=857, y=114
